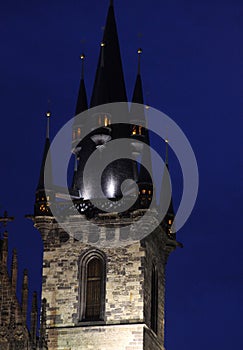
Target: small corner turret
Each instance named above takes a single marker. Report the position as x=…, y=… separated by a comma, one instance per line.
x=43, y=190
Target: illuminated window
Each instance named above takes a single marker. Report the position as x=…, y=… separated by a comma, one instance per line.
x=42, y=208
x=143, y=191
x=149, y=192
x=48, y=198
x=170, y=222
x=92, y=286
x=140, y=130
x=79, y=132
x=134, y=130
x=106, y=121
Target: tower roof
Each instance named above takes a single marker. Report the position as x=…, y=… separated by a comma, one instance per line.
x=41, y=183
x=109, y=74
x=82, y=103
x=166, y=189
x=137, y=113
x=138, y=89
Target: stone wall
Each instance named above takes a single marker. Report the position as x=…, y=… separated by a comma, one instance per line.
x=154, y=247
x=124, y=283
x=126, y=325
x=113, y=337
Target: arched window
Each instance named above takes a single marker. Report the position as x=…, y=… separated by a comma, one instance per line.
x=92, y=286
x=154, y=299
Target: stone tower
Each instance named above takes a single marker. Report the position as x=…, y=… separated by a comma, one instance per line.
x=103, y=297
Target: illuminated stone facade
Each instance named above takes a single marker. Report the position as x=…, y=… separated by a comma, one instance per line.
x=127, y=319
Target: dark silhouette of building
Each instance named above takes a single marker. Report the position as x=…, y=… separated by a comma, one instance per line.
x=98, y=296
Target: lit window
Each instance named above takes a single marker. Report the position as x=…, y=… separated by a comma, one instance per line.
x=42, y=208
x=106, y=122
x=143, y=191
x=149, y=192
x=134, y=130
x=79, y=132
x=140, y=130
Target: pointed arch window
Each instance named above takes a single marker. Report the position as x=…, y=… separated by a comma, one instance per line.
x=154, y=298
x=92, y=286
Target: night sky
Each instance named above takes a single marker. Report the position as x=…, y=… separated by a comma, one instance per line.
x=191, y=72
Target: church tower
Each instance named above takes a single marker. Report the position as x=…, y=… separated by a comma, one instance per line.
x=106, y=297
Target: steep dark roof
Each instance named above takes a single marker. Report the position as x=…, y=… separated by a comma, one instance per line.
x=138, y=113
x=109, y=74
x=138, y=90
x=82, y=102
x=41, y=183
x=166, y=189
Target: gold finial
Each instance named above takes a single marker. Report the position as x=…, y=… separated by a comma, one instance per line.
x=48, y=115
x=82, y=56
x=102, y=44
x=139, y=51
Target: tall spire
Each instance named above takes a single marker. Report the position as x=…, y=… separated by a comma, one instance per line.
x=165, y=192
x=82, y=103
x=4, y=256
x=41, y=183
x=14, y=271
x=109, y=73
x=138, y=90
x=138, y=114
x=24, y=303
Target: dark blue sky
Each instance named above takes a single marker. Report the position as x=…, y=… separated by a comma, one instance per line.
x=191, y=71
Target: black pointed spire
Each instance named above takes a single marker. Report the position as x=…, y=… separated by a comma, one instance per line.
x=82, y=102
x=109, y=73
x=41, y=183
x=138, y=90
x=165, y=192
x=44, y=187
